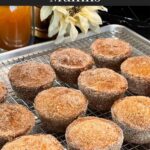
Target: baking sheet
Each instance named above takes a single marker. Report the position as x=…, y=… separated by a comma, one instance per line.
x=39, y=52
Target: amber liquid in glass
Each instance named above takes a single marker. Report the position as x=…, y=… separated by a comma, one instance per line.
x=15, y=26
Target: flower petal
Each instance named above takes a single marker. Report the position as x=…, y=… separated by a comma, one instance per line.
x=69, y=19
x=61, y=9
x=62, y=31
x=102, y=8
x=45, y=12
x=54, y=24
x=73, y=32
x=92, y=17
x=82, y=23
x=95, y=8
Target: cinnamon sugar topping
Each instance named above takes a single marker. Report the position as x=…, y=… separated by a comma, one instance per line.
x=138, y=66
x=110, y=47
x=103, y=80
x=34, y=142
x=15, y=120
x=60, y=102
x=31, y=74
x=70, y=57
x=3, y=90
x=134, y=111
x=93, y=133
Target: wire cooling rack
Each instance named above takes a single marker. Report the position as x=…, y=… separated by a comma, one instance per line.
x=140, y=47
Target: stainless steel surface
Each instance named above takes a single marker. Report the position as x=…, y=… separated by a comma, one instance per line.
x=40, y=53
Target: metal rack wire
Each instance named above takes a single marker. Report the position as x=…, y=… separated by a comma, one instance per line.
x=140, y=48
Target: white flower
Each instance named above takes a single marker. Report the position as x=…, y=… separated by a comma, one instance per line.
x=45, y=12
x=65, y=19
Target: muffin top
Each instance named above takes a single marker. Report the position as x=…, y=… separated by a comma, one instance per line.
x=133, y=111
x=93, y=133
x=3, y=90
x=103, y=80
x=70, y=58
x=110, y=48
x=138, y=66
x=15, y=120
x=60, y=103
x=34, y=142
x=31, y=74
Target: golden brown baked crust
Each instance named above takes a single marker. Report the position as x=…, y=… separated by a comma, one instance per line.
x=110, y=52
x=70, y=58
x=103, y=80
x=132, y=114
x=59, y=106
x=138, y=66
x=3, y=92
x=133, y=111
x=31, y=74
x=34, y=142
x=69, y=63
x=90, y=133
x=15, y=120
x=137, y=71
x=29, y=78
x=102, y=87
x=110, y=47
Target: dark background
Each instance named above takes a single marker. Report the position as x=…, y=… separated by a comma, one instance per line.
x=135, y=17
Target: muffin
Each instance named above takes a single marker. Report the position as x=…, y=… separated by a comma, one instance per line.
x=3, y=92
x=92, y=133
x=15, y=120
x=132, y=114
x=69, y=63
x=59, y=106
x=137, y=71
x=34, y=142
x=110, y=52
x=102, y=87
x=29, y=78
